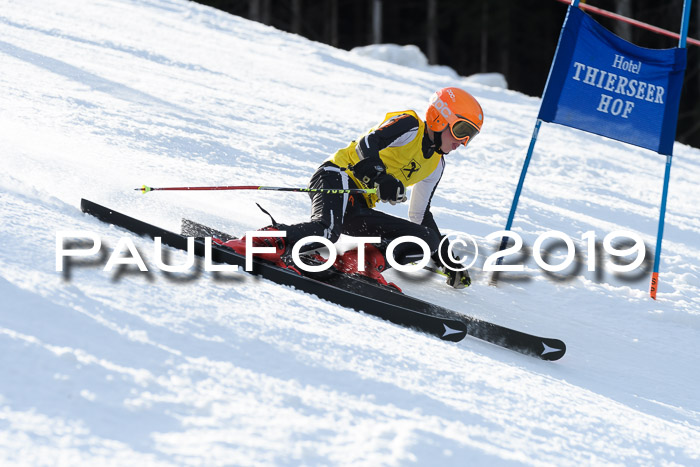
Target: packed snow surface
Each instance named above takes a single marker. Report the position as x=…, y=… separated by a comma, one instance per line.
x=146, y=368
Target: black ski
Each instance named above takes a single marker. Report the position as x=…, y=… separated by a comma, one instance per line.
x=541, y=347
x=443, y=327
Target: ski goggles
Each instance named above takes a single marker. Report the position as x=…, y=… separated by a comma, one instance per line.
x=463, y=129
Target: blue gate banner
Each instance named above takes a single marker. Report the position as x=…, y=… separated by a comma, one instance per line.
x=605, y=85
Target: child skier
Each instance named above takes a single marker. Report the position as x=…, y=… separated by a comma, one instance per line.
x=402, y=151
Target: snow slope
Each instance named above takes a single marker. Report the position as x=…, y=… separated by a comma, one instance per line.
x=126, y=367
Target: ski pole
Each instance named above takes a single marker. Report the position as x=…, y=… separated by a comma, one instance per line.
x=145, y=189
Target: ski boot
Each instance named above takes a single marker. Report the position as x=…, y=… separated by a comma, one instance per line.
x=278, y=257
x=375, y=264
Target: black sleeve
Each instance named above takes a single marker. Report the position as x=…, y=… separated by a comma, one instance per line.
x=396, y=131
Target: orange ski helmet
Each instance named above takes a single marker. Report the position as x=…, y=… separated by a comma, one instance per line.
x=457, y=109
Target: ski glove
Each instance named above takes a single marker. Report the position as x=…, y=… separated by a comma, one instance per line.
x=373, y=174
x=389, y=189
x=368, y=170
x=457, y=279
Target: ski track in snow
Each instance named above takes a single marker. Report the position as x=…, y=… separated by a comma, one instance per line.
x=200, y=368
